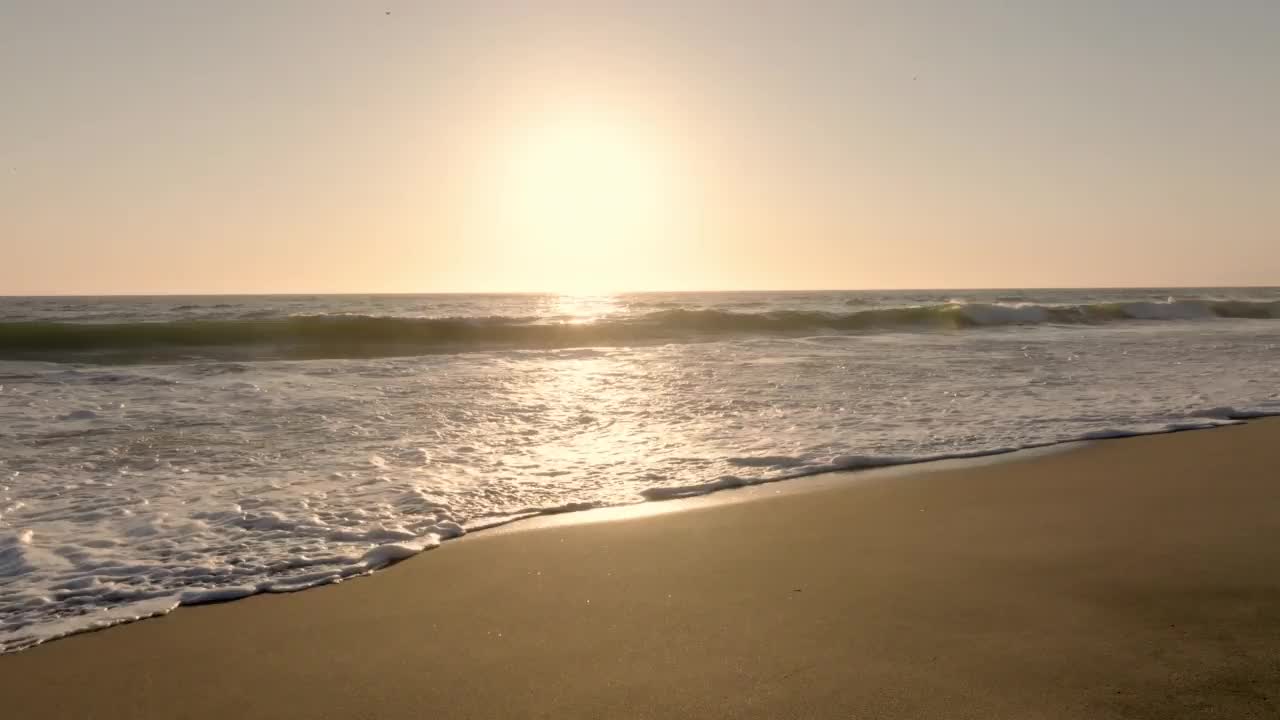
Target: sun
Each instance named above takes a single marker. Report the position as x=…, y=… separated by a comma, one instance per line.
x=585, y=200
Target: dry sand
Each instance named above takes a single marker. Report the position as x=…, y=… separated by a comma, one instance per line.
x=1136, y=578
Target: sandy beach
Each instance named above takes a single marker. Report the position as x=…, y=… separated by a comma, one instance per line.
x=1135, y=578
x=644, y=360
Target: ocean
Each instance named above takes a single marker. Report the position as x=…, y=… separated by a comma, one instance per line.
x=159, y=451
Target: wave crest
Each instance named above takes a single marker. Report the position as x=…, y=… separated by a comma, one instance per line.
x=347, y=336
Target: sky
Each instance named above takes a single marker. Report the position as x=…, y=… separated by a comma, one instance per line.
x=185, y=146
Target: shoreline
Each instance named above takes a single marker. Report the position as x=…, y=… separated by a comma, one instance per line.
x=694, y=497
x=1120, y=579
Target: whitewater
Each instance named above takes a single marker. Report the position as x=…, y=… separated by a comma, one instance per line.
x=159, y=451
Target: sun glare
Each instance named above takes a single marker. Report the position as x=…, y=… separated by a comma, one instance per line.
x=585, y=200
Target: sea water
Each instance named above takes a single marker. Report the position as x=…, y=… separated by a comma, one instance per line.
x=156, y=451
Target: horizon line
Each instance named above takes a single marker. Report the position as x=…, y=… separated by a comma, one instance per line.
x=631, y=292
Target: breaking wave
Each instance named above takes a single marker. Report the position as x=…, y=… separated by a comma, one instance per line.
x=341, y=336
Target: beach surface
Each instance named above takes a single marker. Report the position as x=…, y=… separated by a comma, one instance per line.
x=1135, y=578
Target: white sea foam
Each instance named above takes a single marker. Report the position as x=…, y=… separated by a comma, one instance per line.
x=128, y=490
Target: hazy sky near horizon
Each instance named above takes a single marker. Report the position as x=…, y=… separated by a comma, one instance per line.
x=325, y=146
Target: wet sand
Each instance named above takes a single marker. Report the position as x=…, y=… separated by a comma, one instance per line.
x=1135, y=578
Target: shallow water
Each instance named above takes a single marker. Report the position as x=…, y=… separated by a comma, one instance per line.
x=166, y=473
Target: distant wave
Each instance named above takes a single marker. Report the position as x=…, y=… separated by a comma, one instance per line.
x=344, y=336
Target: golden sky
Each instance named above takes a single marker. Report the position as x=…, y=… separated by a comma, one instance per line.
x=313, y=146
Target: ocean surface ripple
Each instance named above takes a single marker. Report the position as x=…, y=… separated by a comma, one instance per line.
x=167, y=451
